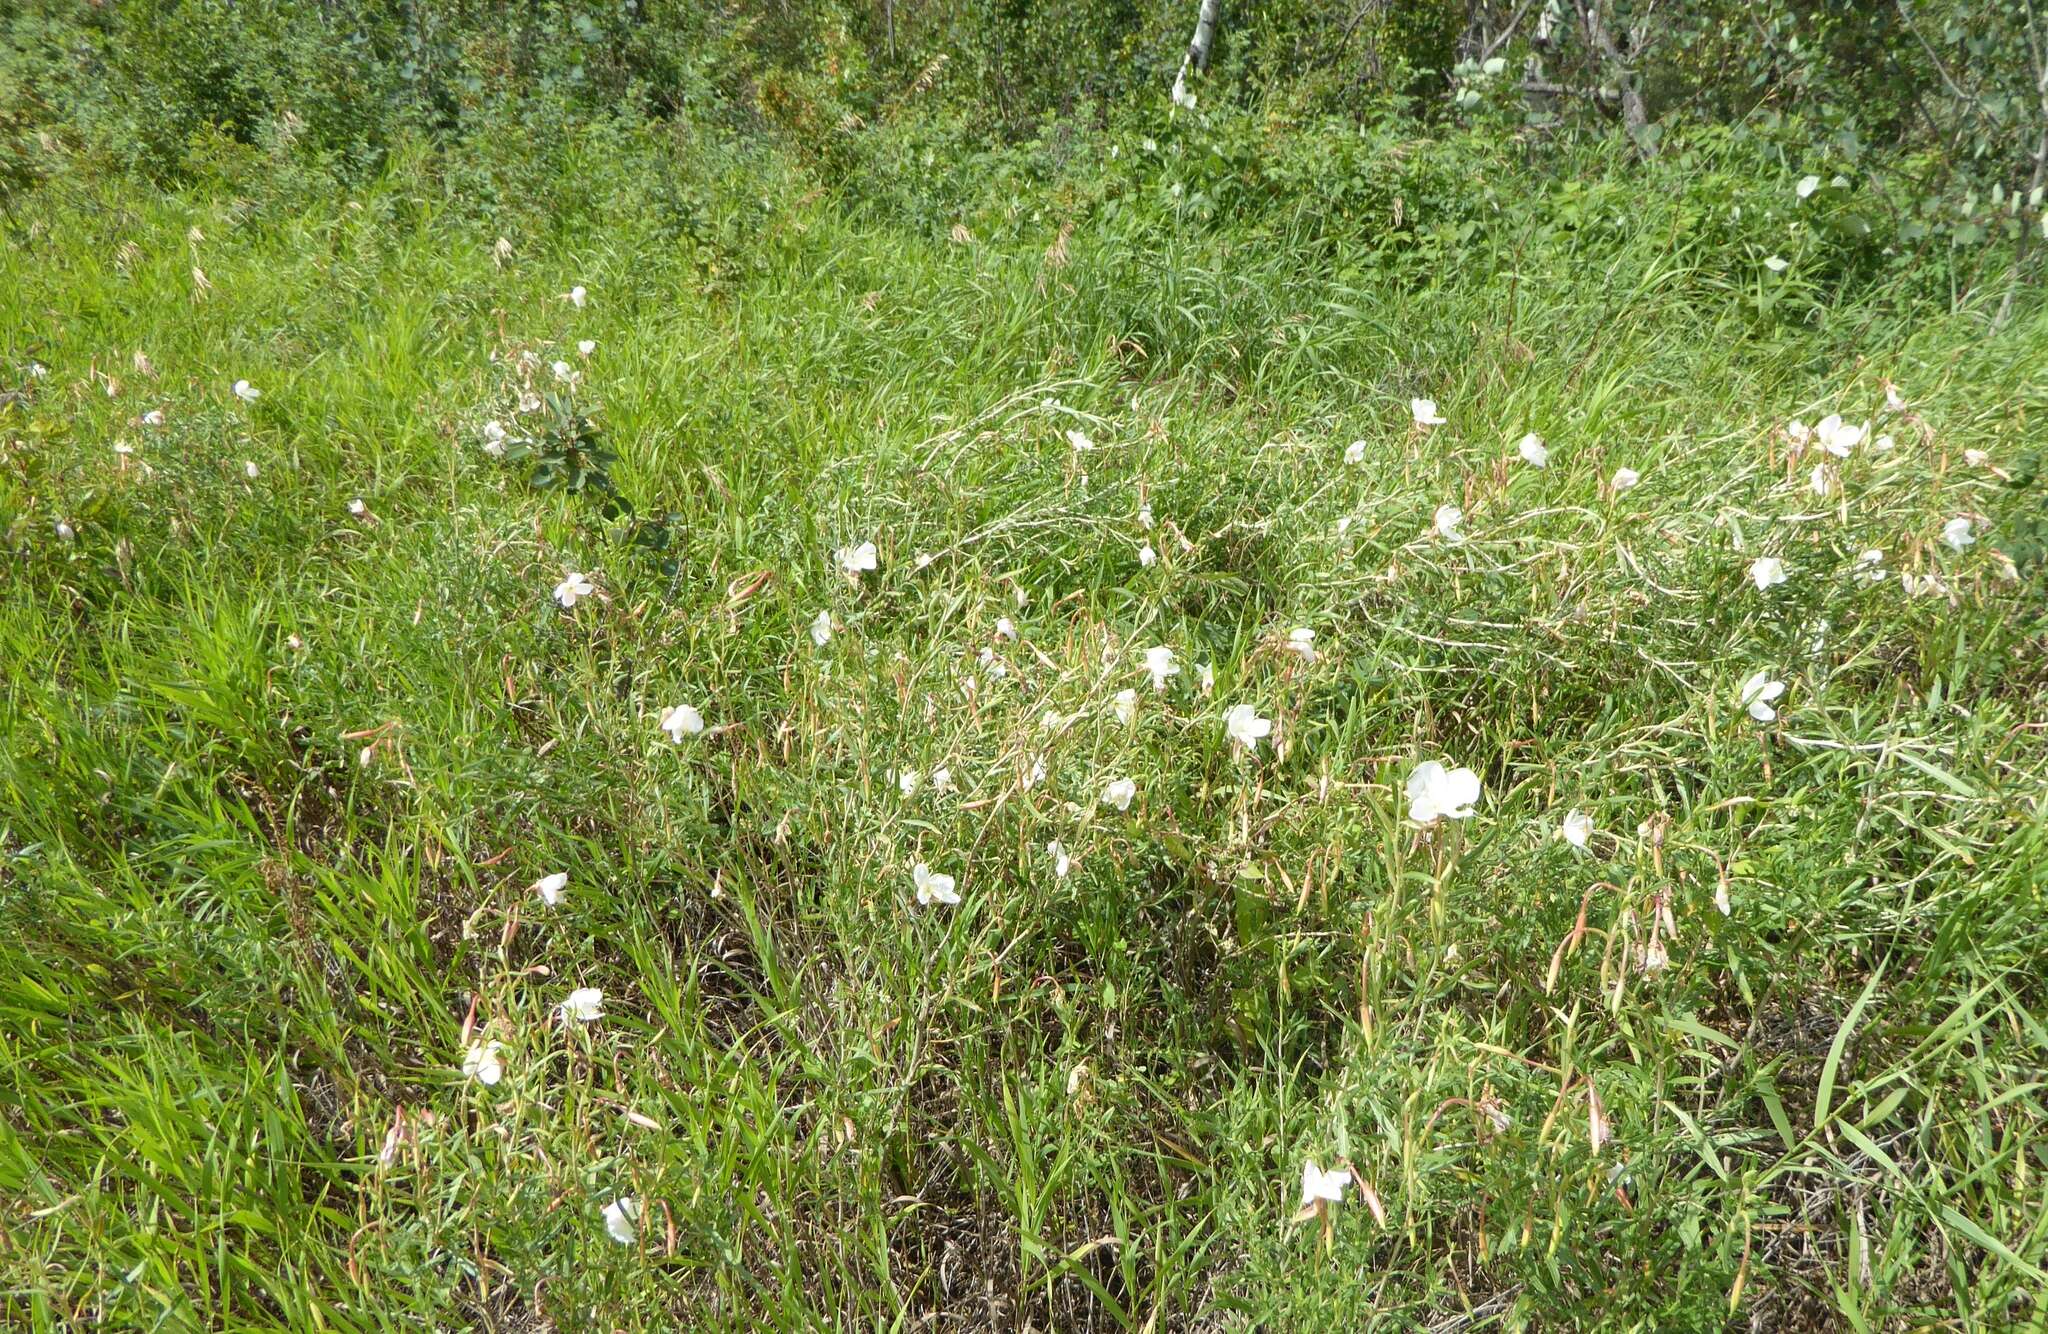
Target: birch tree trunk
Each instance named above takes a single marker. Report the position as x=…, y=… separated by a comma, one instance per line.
x=1205, y=35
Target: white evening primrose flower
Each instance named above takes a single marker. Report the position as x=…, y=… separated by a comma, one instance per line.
x=1892, y=400
x=37, y=370
x=1181, y=96
x=1144, y=519
x=1302, y=640
x=1159, y=662
x=1533, y=451
x=564, y=372
x=1320, y=1188
x=528, y=401
x=1243, y=725
x=855, y=559
x=585, y=347
x=680, y=720
x=1005, y=628
x=1061, y=862
x=907, y=781
x=1080, y=441
x=932, y=888
x=622, y=1217
x=1435, y=792
x=1625, y=479
x=1576, y=829
x=1798, y=432
x=1976, y=458
x=65, y=532
x=1766, y=572
x=1446, y=522
x=1354, y=453
x=247, y=392
x=585, y=1005
x=1777, y=263
x=573, y=587
x=250, y=470
x=123, y=448
x=1126, y=706
x=154, y=417
x=1819, y=479
x=577, y=296
x=550, y=888
x=358, y=508
x=942, y=779
x=1146, y=555
x=1425, y=413
x=1838, y=437
x=1119, y=794
x=821, y=629
x=1884, y=444
x=1956, y=533
x=494, y=439
x=1807, y=185
x=482, y=1061
x=1205, y=678
x=1757, y=694
x=1870, y=567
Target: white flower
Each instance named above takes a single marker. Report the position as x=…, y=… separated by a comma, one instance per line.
x=247, y=392
x=932, y=888
x=65, y=532
x=992, y=663
x=1446, y=522
x=494, y=439
x=550, y=887
x=1892, y=400
x=577, y=296
x=1354, y=453
x=1320, y=1187
x=1883, y=444
x=37, y=370
x=1756, y=696
x=907, y=781
x=1061, y=862
x=1037, y=774
x=1425, y=413
x=1798, y=432
x=1625, y=479
x=1435, y=792
x=1146, y=555
x=572, y=587
x=529, y=401
x=1242, y=724
x=680, y=720
x=1080, y=441
x=855, y=559
x=1721, y=899
x=1576, y=829
x=1144, y=516
x=123, y=448
x=1655, y=957
x=1159, y=661
x=586, y=346
x=585, y=1005
x=1838, y=437
x=1807, y=185
x=1181, y=96
x=1302, y=640
x=1870, y=567
x=1205, y=678
x=1766, y=572
x=1533, y=451
x=1777, y=264
x=481, y=1062
x=357, y=507
x=1819, y=479
x=1005, y=628
x=942, y=779
x=1956, y=532
x=1976, y=458
x=1119, y=794
x=564, y=372
x=1126, y=706
x=249, y=470
x=821, y=629
x=621, y=1216
x=154, y=417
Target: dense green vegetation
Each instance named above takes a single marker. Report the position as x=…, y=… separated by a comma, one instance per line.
x=340, y=346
